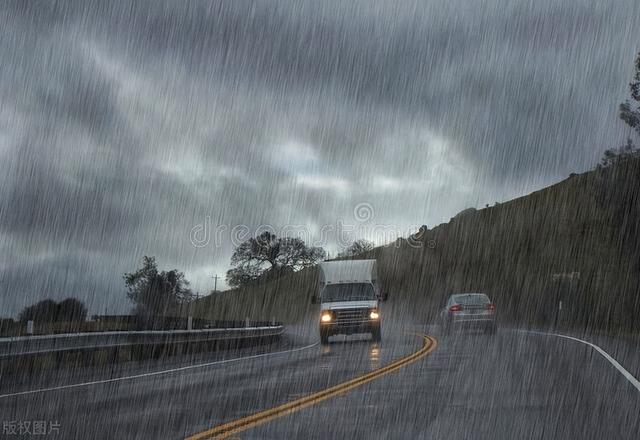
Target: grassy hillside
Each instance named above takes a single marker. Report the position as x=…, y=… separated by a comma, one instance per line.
x=586, y=224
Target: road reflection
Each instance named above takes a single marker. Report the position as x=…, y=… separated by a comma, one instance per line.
x=374, y=356
x=374, y=353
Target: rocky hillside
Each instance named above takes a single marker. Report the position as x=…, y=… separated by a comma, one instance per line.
x=577, y=241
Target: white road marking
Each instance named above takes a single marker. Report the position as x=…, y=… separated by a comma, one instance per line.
x=155, y=373
x=635, y=382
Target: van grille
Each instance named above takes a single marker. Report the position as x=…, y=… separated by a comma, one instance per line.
x=351, y=315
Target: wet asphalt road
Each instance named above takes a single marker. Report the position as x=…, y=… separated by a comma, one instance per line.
x=511, y=385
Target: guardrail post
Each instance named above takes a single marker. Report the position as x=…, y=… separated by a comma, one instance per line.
x=246, y=322
x=190, y=323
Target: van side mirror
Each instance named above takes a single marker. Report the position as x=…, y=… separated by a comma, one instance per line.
x=315, y=299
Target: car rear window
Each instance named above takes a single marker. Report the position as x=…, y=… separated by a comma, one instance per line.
x=472, y=299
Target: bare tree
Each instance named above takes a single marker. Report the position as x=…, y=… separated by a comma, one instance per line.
x=269, y=256
x=356, y=248
x=155, y=293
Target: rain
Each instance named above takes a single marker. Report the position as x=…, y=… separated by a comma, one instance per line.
x=320, y=219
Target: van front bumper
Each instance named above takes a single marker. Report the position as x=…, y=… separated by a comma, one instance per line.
x=349, y=328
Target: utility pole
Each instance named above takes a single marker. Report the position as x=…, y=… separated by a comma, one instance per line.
x=215, y=283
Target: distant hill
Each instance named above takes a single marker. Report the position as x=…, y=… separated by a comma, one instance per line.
x=577, y=241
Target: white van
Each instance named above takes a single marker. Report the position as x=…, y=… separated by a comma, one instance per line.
x=349, y=297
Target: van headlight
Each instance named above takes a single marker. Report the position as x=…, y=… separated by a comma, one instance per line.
x=374, y=314
x=326, y=317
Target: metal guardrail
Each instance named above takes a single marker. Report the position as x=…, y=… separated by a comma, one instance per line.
x=16, y=347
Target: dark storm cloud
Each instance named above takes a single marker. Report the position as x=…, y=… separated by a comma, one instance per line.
x=126, y=124
x=492, y=74
x=81, y=96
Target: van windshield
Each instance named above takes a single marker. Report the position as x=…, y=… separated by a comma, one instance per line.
x=348, y=292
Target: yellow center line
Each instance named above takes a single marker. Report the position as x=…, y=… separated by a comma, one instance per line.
x=227, y=429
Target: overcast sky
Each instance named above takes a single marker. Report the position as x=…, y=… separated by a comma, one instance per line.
x=156, y=128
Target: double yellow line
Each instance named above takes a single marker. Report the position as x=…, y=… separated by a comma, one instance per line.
x=227, y=429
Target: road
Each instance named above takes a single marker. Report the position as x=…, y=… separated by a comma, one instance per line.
x=511, y=385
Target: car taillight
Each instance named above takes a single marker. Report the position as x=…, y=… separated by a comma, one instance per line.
x=455, y=308
x=491, y=306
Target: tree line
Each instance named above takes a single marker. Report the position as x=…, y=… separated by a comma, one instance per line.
x=48, y=310
x=257, y=259
x=157, y=292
